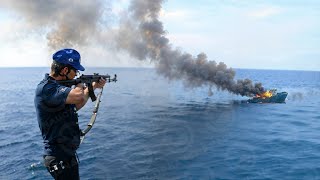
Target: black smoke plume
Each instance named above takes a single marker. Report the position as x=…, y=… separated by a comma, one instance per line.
x=140, y=33
x=143, y=36
x=69, y=22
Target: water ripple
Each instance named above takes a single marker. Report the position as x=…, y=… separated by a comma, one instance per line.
x=148, y=130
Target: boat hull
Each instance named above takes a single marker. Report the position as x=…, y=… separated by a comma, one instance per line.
x=278, y=98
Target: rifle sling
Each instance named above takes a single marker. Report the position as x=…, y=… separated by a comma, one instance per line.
x=93, y=117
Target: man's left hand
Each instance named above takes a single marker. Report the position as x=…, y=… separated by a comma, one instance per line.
x=99, y=84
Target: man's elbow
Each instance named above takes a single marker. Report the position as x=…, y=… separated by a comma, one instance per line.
x=76, y=98
x=79, y=98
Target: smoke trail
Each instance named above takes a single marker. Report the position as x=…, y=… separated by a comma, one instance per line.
x=143, y=36
x=70, y=23
x=73, y=23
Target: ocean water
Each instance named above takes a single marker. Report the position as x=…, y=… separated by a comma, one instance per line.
x=150, y=128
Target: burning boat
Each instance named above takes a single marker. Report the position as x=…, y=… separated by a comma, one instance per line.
x=270, y=96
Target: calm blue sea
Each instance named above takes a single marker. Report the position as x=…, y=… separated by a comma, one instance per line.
x=149, y=128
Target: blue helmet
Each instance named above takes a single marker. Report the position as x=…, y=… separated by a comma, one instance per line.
x=69, y=57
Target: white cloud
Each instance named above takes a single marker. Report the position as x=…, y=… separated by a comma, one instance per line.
x=19, y=46
x=265, y=12
x=176, y=14
x=28, y=53
x=120, y=6
x=98, y=56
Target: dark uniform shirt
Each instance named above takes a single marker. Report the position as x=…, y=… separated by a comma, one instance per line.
x=58, y=122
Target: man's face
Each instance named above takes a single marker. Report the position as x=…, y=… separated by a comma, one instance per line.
x=73, y=73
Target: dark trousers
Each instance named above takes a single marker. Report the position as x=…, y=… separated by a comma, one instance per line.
x=67, y=169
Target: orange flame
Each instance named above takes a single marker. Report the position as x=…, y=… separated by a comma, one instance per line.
x=264, y=95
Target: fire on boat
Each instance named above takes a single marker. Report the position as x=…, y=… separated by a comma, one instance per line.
x=270, y=96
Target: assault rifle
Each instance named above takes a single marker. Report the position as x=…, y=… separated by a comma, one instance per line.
x=88, y=80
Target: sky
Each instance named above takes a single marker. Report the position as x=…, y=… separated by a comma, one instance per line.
x=251, y=34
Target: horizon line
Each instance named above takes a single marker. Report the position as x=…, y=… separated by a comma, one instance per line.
x=126, y=67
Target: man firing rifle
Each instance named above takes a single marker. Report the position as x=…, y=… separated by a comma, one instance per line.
x=56, y=107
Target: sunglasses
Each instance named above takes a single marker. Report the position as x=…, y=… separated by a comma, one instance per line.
x=76, y=71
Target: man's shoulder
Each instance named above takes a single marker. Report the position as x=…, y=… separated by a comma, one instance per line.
x=49, y=88
x=52, y=88
x=44, y=81
x=46, y=86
